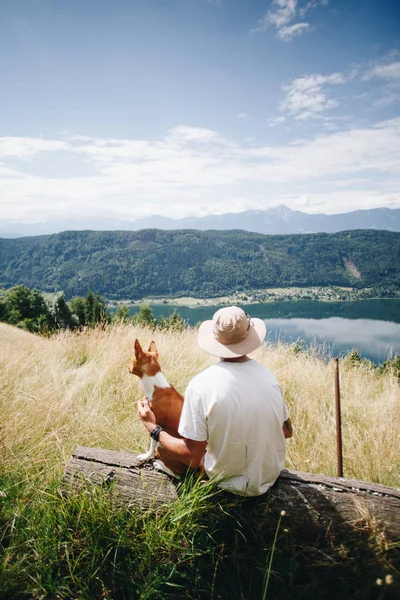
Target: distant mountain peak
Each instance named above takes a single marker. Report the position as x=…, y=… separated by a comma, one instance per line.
x=280, y=208
x=280, y=211
x=276, y=220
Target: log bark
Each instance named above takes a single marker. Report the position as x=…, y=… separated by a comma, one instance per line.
x=312, y=502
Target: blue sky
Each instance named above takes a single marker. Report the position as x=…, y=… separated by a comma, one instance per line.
x=191, y=107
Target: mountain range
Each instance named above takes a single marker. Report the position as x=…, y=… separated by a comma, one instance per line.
x=135, y=264
x=277, y=220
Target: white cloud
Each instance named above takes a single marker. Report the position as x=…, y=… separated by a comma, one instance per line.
x=200, y=135
x=23, y=148
x=312, y=4
x=364, y=151
x=286, y=33
x=243, y=115
x=334, y=202
x=279, y=16
x=390, y=72
x=192, y=168
x=306, y=97
x=282, y=13
x=276, y=121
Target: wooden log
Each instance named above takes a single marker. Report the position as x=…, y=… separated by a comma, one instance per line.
x=312, y=502
x=134, y=483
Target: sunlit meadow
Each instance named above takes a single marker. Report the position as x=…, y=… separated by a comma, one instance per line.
x=74, y=389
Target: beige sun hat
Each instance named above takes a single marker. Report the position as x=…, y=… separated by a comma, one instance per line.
x=231, y=333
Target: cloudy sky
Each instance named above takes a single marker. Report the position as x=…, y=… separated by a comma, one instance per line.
x=127, y=108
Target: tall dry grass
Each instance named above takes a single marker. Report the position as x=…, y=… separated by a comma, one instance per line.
x=74, y=389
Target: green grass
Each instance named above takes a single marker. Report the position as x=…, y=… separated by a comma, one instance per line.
x=208, y=545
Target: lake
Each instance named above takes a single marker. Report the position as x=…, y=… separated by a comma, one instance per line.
x=334, y=328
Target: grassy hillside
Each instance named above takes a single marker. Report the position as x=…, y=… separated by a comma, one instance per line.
x=74, y=389
x=135, y=264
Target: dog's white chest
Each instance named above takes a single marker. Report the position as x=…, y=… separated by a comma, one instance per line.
x=151, y=382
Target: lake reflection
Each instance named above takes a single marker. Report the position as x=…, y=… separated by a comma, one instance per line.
x=376, y=340
x=371, y=326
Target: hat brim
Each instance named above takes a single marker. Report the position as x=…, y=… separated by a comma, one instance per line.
x=254, y=339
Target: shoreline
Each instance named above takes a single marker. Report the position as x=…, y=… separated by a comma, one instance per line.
x=266, y=296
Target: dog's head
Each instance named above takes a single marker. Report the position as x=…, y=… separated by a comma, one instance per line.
x=144, y=363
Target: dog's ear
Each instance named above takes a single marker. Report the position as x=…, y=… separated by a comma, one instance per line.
x=138, y=348
x=153, y=348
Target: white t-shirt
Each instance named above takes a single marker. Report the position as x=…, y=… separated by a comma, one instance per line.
x=239, y=409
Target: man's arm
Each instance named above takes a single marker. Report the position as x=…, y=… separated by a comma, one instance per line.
x=287, y=429
x=189, y=452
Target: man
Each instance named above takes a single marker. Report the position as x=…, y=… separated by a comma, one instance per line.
x=234, y=419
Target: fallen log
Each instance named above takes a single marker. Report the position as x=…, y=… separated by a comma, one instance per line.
x=312, y=502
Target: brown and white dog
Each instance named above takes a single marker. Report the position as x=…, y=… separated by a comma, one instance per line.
x=165, y=401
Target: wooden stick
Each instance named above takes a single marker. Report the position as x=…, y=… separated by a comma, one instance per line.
x=339, y=449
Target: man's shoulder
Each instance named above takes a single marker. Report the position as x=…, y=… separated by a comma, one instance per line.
x=268, y=375
x=258, y=373
x=203, y=376
x=262, y=368
x=211, y=378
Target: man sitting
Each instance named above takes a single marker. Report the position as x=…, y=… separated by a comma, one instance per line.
x=234, y=419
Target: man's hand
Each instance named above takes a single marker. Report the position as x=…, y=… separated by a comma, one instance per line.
x=146, y=414
x=287, y=429
x=188, y=452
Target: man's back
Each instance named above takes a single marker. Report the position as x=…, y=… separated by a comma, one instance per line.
x=238, y=407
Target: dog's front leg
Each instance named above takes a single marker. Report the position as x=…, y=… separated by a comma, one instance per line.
x=151, y=453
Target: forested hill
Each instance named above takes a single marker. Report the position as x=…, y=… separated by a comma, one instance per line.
x=125, y=264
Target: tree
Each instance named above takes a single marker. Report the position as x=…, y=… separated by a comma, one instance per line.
x=89, y=309
x=23, y=307
x=99, y=309
x=29, y=325
x=95, y=310
x=392, y=365
x=122, y=313
x=3, y=311
x=18, y=303
x=28, y=309
x=174, y=322
x=38, y=305
x=145, y=316
x=63, y=316
x=78, y=306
